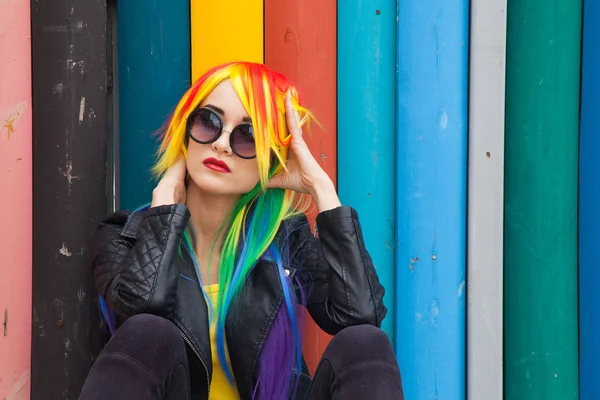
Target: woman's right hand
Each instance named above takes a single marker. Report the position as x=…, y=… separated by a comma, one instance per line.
x=171, y=188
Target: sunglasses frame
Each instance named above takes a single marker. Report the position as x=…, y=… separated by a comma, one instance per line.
x=192, y=118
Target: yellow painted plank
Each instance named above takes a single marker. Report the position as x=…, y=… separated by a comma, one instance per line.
x=225, y=30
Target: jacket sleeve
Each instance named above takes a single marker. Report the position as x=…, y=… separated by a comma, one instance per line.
x=337, y=274
x=133, y=259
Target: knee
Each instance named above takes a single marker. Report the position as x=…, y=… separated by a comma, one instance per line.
x=150, y=339
x=149, y=325
x=362, y=343
x=363, y=336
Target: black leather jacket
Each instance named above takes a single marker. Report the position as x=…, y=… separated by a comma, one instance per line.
x=138, y=268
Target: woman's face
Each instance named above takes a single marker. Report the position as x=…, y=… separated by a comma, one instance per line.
x=214, y=168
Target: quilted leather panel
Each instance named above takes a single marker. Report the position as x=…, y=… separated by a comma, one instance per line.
x=138, y=275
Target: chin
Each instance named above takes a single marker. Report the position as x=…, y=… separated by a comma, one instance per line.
x=220, y=185
x=213, y=186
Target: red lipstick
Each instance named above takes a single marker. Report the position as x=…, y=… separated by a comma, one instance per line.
x=216, y=165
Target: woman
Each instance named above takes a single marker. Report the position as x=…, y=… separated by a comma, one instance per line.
x=212, y=278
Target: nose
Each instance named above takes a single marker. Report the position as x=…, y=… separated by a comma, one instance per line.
x=221, y=145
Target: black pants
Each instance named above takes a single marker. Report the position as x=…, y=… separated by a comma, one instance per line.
x=146, y=359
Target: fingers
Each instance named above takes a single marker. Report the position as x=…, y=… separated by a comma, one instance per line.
x=292, y=117
x=177, y=171
x=172, y=187
x=274, y=182
x=278, y=181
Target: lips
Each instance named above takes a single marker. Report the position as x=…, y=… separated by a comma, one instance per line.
x=216, y=165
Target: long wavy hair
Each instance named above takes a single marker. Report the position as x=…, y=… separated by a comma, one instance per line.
x=251, y=228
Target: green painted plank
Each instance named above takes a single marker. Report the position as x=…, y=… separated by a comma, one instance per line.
x=540, y=231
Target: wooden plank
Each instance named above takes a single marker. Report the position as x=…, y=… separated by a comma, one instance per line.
x=300, y=42
x=154, y=72
x=485, y=214
x=540, y=230
x=224, y=31
x=15, y=206
x=431, y=196
x=589, y=199
x=69, y=77
x=366, y=139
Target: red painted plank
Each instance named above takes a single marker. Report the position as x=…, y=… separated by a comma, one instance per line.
x=15, y=204
x=301, y=42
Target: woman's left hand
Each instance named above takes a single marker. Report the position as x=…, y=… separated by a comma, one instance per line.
x=304, y=173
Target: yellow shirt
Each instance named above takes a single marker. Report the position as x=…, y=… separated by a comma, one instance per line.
x=220, y=388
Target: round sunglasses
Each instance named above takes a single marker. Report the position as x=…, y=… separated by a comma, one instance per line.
x=205, y=126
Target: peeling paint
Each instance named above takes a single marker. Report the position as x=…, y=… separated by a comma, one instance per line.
x=443, y=119
x=64, y=250
x=80, y=294
x=67, y=343
x=435, y=308
x=461, y=288
x=78, y=27
x=58, y=88
x=11, y=115
x=67, y=172
x=20, y=388
x=81, y=109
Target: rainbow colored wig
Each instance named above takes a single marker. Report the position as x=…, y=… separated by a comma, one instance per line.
x=251, y=229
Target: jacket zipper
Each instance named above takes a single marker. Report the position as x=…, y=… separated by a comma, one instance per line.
x=185, y=339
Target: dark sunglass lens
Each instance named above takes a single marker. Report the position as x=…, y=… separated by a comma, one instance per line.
x=242, y=141
x=206, y=125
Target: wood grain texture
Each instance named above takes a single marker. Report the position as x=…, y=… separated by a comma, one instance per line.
x=300, y=42
x=366, y=130
x=154, y=68
x=589, y=211
x=70, y=130
x=486, y=199
x=15, y=205
x=540, y=226
x=431, y=194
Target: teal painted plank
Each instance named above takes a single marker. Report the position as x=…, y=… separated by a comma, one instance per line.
x=366, y=136
x=154, y=72
x=431, y=197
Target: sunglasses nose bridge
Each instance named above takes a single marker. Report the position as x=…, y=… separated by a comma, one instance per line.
x=222, y=142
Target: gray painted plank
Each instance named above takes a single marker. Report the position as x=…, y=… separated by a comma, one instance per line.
x=485, y=199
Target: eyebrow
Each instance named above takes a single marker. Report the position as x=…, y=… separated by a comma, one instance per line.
x=220, y=111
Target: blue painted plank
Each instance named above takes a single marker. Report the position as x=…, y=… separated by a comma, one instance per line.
x=589, y=205
x=366, y=139
x=154, y=72
x=431, y=197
